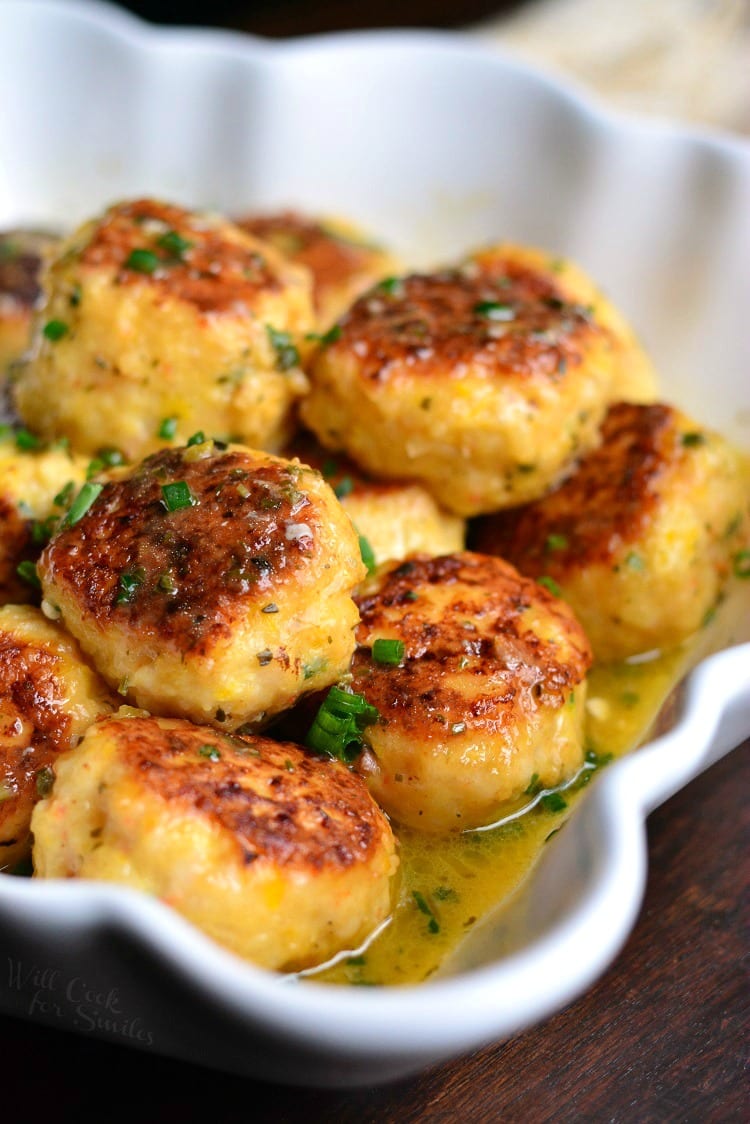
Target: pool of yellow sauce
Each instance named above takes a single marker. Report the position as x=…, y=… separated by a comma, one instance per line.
x=446, y=885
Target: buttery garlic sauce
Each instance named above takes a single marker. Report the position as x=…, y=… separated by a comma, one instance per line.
x=448, y=884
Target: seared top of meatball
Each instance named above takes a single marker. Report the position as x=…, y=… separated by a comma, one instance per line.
x=188, y=539
x=208, y=262
x=278, y=801
x=606, y=502
x=476, y=637
x=331, y=258
x=501, y=316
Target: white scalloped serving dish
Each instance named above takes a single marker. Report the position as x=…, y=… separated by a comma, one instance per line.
x=437, y=143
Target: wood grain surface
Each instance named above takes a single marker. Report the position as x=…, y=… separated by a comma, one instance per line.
x=662, y=1037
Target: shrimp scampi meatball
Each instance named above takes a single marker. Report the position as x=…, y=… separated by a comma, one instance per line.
x=643, y=537
x=479, y=679
x=37, y=483
x=280, y=856
x=343, y=260
x=484, y=381
x=156, y=322
x=49, y=696
x=209, y=582
x=395, y=517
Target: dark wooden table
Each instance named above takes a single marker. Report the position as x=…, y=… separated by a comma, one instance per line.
x=662, y=1037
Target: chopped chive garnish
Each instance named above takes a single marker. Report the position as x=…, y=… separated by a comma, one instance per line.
x=338, y=725
x=130, y=582
x=326, y=338
x=553, y=802
x=368, y=554
x=556, y=542
x=64, y=496
x=209, y=751
x=344, y=488
x=391, y=285
x=25, y=441
x=534, y=785
x=45, y=778
x=198, y=438
x=596, y=760
x=388, y=651
x=167, y=428
x=27, y=572
x=330, y=467
x=175, y=245
x=142, y=261
x=550, y=584
x=82, y=503
x=691, y=440
x=54, y=330
x=177, y=495
x=111, y=456
x=286, y=352
x=423, y=907
x=741, y=564
x=495, y=310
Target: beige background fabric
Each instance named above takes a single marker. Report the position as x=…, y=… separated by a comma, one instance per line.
x=681, y=59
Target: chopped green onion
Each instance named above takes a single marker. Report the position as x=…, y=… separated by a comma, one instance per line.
x=368, y=554
x=142, y=261
x=391, y=285
x=550, y=584
x=27, y=571
x=286, y=352
x=198, y=438
x=177, y=495
x=553, y=802
x=45, y=778
x=338, y=725
x=64, y=496
x=326, y=338
x=129, y=585
x=82, y=503
x=388, y=651
x=741, y=564
x=691, y=440
x=344, y=488
x=495, y=310
x=423, y=907
x=174, y=244
x=556, y=542
x=167, y=428
x=54, y=330
x=534, y=786
x=26, y=441
x=209, y=751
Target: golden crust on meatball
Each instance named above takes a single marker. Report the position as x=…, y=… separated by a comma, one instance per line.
x=209, y=582
x=396, y=517
x=158, y=322
x=640, y=538
x=36, y=484
x=48, y=697
x=482, y=694
x=280, y=856
x=342, y=259
x=483, y=381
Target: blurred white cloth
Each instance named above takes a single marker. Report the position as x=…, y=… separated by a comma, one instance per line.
x=682, y=59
